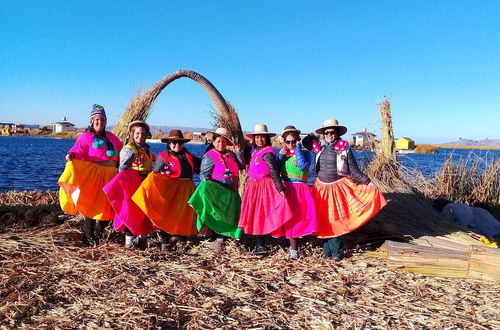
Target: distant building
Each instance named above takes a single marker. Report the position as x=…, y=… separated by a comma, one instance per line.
x=363, y=139
x=199, y=136
x=63, y=126
x=405, y=143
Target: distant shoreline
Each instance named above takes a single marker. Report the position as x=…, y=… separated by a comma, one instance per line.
x=74, y=137
x=443, y=146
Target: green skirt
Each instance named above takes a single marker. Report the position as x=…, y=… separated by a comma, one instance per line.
x=217, y=207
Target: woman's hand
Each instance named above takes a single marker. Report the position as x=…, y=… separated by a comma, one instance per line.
x=283, y=151
x=70, y=156
x=237, y=147
x=282, y=193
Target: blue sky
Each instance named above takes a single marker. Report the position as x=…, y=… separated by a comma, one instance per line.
x=277, y=62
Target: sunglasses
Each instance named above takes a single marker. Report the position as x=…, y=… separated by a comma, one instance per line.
x=176, y=142
x=290, y=142
x=329, y=132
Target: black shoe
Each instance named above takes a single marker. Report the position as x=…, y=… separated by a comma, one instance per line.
x=337, y=258
x=88, y=241
x=260, y=249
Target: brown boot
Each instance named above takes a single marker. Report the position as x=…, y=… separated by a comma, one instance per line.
x=164, y=247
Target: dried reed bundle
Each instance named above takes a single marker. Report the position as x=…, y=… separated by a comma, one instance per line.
x=47, y=280
x=407, y=215
x=467, y=182
x=387, y=142
x=231, y=122
x=139, y=107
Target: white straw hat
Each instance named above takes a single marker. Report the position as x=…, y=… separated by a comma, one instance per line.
x=260, y=129
x=224, y=132
x=332, y=123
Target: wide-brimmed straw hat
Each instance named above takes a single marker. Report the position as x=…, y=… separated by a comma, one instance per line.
x=175, y=135
x=289, y=128
x=332, y=123
x=224, y=132
x=138, y=123
x=260, y=129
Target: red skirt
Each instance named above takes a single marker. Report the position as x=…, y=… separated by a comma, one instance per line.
x=343, y=206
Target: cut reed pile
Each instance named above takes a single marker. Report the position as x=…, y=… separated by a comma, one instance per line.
x=48, y=280
x=29, y=198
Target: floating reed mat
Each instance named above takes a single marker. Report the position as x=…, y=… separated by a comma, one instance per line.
x=49, y=280
x=26, y=209
x=444, y=258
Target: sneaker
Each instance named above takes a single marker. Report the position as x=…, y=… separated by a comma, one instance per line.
x=129, y=242
x=218, y=246
x=294, y=254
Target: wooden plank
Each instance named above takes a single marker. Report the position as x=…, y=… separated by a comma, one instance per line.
x=442, y=243
x=485, y=263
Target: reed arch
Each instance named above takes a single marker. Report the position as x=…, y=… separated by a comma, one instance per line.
x=139, y=107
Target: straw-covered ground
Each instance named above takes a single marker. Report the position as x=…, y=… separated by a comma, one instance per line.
x=48, y=279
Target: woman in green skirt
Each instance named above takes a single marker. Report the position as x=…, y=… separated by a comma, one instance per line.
x=216, y=200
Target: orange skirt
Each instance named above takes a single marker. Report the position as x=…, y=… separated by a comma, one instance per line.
x=165, y=201
x=343, y=206
x=81, y=189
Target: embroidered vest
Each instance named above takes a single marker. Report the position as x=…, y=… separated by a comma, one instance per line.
x=225, y=165
x=258, y=168
x=292, y=171
x=142, y=161
x=341, y=148
x=173, y=164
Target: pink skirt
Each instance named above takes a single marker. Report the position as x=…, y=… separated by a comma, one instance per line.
x=304, y=220
x=263, y=209
x=127, y=213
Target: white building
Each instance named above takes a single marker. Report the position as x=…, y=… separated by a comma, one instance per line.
x=63, y=126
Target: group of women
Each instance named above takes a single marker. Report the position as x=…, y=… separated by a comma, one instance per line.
x=158, y=193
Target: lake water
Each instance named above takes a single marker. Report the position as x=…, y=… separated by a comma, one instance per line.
x=29, y=163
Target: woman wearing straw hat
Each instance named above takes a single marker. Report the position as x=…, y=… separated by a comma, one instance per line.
x=264, y=208
x=91, y=163
x=294, y=162
x=216, y=200
x=344, y=197
x=163, y=195
x=136, y=163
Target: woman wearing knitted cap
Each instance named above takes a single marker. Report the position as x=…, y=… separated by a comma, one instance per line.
x=216, y=200
x=294, y=162
x=264, y=208
x=91, y=163
x=344, y=197
x=163, y=195
x=135, y=164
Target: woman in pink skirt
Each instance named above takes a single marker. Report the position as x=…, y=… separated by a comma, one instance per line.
x=264, y=208
x=295, y=162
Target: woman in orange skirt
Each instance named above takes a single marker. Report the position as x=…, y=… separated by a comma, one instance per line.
x=164, y=194
x=91, y=164
x=345, y=198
